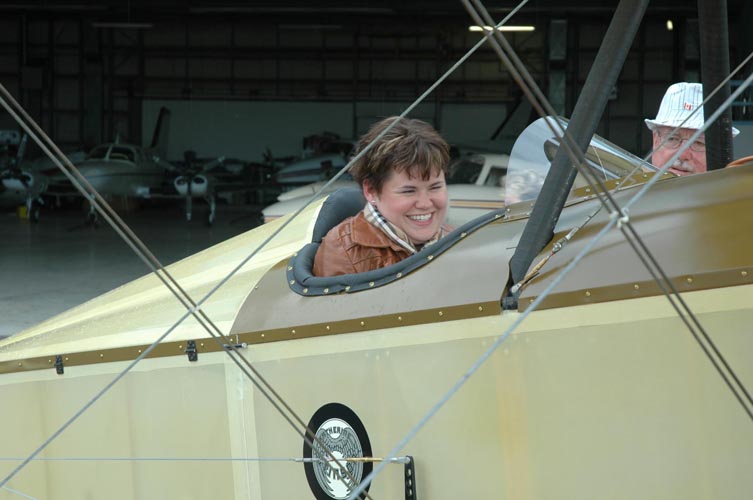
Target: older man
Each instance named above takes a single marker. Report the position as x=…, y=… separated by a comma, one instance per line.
x=678, y=103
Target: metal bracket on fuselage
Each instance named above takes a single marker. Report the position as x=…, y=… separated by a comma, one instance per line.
x=59, y=368
x=191, y=352
x=410, y=479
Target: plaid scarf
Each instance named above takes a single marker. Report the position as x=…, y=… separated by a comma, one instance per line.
x=395, y=234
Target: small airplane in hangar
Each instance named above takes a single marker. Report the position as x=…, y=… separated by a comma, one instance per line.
x=24, y=182
x=208, y=180
x=19, y=186
x=323, y=155
x=119, y=169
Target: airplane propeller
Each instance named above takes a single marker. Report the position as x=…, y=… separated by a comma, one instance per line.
x=193, y=182
x=14, y=178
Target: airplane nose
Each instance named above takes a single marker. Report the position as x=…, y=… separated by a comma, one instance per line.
x=95, y=176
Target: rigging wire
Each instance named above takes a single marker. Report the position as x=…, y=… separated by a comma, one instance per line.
x=737, y=383
x=635, y=239
x=344, y=169
x=149, y=259
x=477, y=365
x=405, y=112
x=531, y=89
x=565, y=140
x=192, y=308
x=472, y=370
x=619, y=217
x=703, y=103
x=393, y=460
x=746, y=83
x=562, y=242
x=110, y=216
x=679, y=305
x=19, y=493
x=485, y=356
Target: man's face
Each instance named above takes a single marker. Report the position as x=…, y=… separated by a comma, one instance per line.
x=691, y=161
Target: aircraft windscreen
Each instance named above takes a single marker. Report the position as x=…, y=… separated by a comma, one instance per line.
x=99, y=152
x=535, y=148
x=121, y=153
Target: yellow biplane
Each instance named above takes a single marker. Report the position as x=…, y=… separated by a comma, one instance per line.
x=465, y=371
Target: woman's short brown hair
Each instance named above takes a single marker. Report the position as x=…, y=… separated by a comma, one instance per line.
x=411, y=145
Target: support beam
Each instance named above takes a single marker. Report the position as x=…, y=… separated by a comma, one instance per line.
x=712, y=15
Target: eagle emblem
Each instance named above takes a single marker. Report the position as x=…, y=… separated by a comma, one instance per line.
x=341, y=440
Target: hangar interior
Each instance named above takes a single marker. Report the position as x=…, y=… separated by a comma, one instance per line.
x=248, y=79
x=244, y=76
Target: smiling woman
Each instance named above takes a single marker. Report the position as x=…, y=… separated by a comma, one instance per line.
x=402, y=177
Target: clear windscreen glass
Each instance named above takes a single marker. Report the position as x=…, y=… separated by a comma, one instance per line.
x=536, y=147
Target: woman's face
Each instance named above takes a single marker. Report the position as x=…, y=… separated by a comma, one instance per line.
x=412, y=204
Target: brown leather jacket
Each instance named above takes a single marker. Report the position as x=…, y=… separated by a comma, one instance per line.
x=356, y=246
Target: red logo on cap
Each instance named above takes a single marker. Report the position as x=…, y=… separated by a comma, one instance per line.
x=687, y=106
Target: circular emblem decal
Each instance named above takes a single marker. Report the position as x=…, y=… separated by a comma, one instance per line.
x=338, y=430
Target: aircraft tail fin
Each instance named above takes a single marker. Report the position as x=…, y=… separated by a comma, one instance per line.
x=161, y=133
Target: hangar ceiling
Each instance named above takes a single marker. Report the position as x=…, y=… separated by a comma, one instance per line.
x=84, y=67
x=351, y=12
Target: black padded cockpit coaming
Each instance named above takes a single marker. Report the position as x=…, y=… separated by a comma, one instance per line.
x=346, y=203
x=343, y=203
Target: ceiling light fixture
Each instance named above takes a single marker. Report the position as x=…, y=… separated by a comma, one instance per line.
x=317, y=27
x=123, y=25
x=502, y=28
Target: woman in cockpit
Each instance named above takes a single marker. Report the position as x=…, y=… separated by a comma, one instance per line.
x=403, y=180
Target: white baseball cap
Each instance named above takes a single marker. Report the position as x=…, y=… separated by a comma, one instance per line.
x=680, y=100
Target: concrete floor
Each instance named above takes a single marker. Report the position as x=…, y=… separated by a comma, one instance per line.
x=53, y=265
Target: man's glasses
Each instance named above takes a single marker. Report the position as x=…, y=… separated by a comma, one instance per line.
x=674, y=142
